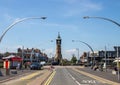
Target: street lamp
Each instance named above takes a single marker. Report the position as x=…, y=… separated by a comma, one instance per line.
x=90, y=49
x=87, y=17
x=16, y=22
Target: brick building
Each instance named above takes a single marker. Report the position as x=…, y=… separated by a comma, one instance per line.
x=32, y=55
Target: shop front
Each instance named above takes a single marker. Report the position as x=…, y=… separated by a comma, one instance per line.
x=14, y=61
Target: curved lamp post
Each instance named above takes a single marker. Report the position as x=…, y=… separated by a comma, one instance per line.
x=16, y=22
x=87, y=17
x=89, y=47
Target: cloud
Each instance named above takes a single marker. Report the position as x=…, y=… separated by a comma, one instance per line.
x=77, y=7
x=65, y=26
x=71, y=51
x=48, y=51
x=8, y=48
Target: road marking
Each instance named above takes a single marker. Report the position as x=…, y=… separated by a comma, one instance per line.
x=50, y=78
x=77, y=82
x=97, y=78
x=30, y=76
x=73, y=78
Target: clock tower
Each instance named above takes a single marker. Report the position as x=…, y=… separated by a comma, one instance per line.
x=58, y=56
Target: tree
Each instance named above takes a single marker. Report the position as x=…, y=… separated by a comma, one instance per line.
x=66, y=62
x=73, y=59
x=6, y=54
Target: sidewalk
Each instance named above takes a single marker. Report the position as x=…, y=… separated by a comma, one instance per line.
x=106, y=75
x=4, y=77
x=45, y=73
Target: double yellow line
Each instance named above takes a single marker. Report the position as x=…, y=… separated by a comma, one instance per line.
x=50, y=78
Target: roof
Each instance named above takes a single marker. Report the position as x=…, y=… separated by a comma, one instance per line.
x=13, y=58
x=8, y=57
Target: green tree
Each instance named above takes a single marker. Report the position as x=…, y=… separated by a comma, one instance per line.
x=73, y=59
x=66, y=62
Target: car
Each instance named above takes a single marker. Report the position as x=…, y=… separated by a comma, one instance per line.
x=55, y=63
x=87, y=64
x=35, y=66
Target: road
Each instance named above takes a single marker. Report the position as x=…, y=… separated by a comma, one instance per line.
x=61, y=75
x=68, y=76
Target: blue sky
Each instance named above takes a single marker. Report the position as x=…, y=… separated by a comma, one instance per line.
x=64, y=16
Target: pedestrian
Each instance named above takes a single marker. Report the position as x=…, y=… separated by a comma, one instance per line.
x=95, y=67
x=115, y=68
x=25, y=65
x=20, y=66
x=101, y=67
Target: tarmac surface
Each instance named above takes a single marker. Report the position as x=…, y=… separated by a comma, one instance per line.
x=103, y=74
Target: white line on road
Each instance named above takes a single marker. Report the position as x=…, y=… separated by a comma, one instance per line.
x=73, y=78
x=77, y=82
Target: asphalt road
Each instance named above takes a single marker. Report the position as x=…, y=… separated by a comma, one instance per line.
x=67, y=76
x=61, y=75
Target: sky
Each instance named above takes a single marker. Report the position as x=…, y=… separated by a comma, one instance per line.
x=64, y=16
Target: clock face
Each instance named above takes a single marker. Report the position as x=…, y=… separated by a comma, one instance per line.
x=58, y=42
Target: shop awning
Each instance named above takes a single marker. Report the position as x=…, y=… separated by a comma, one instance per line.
x=16, y=59
x=13, y=58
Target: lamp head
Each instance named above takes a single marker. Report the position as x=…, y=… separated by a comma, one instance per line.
x=43, y=17
x=86, y=17
x=73, y=40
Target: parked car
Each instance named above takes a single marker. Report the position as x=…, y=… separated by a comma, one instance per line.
x=55, y=63
x=87, y=64
x=35, y=66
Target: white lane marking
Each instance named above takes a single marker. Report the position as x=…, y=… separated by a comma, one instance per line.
x=73, y=78
x=77, y=82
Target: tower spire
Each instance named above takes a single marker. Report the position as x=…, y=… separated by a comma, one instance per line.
x=58, y=34
x=58, y=55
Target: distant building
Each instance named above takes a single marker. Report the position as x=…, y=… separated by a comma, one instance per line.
x=101, y=56
x=32, y=55
x=84, y=58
